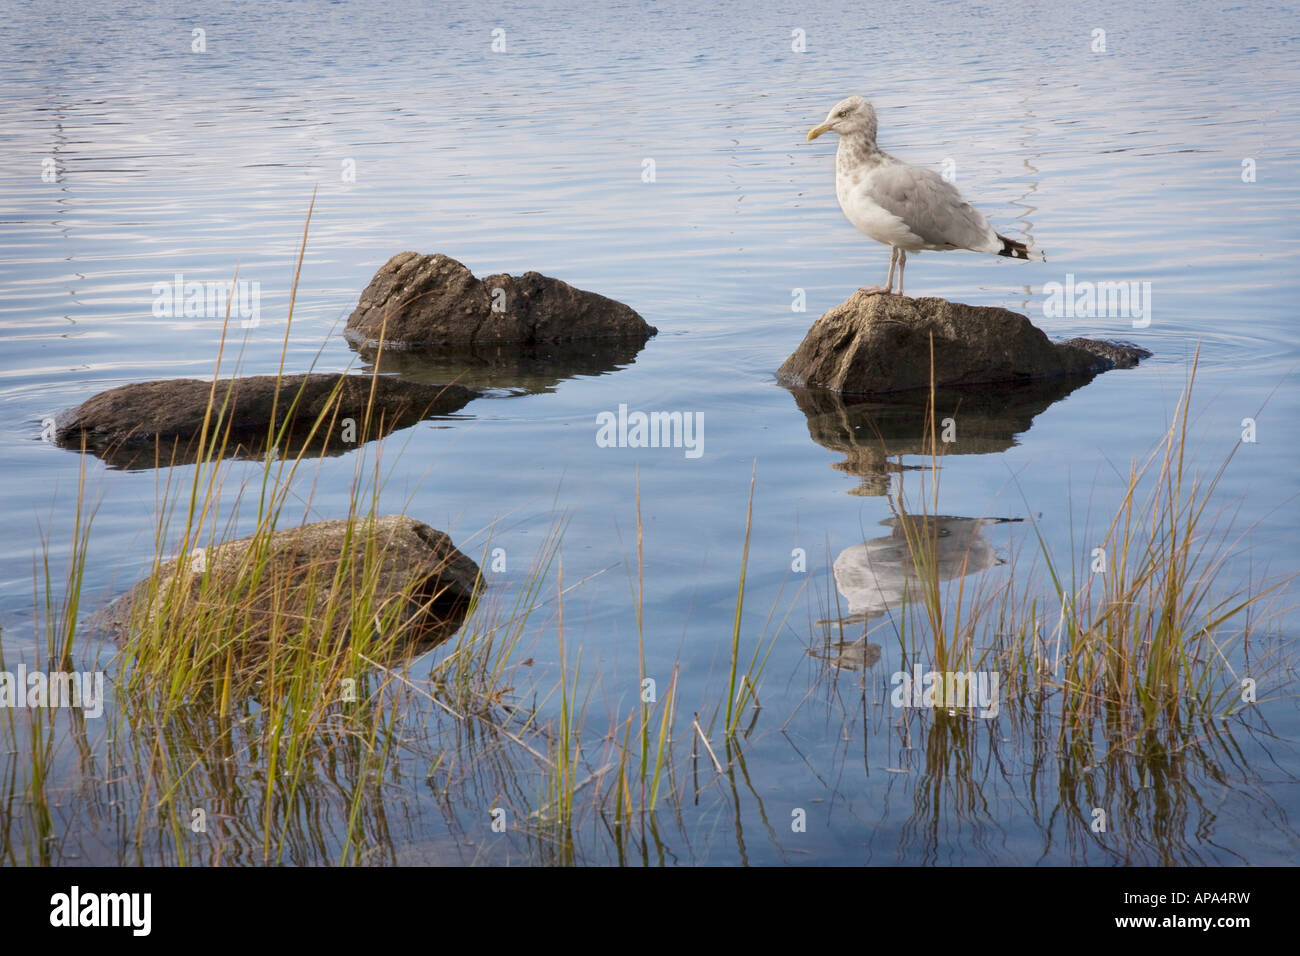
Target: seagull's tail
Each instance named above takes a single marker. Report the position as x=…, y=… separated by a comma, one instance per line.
x=1014, y=250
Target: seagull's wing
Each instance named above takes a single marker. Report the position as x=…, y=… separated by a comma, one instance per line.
x=932, y=208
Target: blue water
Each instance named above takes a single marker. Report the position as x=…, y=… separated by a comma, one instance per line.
x=1123, y=165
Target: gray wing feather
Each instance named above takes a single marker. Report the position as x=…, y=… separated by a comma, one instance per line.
x=931, y=207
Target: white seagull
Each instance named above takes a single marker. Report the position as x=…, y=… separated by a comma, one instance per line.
x=905, y=207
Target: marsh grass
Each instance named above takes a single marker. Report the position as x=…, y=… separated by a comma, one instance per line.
x=473, y=674
x=304, y=652
x=744, y=695
x=268, y=664
x=1121, y=691
x=617, y=789
x=29, y=768
x=242, y=683
x=1141, y=634
x=227, y=625
x=282, y=706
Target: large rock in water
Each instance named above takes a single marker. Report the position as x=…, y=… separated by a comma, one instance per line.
x=876, y=344
x=432, y=301
x=126, y=426
x=294, y=591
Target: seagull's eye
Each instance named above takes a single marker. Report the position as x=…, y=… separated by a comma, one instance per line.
x=842, y=114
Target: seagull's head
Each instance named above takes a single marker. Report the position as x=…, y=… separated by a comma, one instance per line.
x=853, y=116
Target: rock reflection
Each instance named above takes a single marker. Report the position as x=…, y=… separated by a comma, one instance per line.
x=871, y=432
x=525, y=369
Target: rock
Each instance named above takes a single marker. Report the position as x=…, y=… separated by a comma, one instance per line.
x=1117, y=354
x=413, y=563
x=432, y=301
x=878, y=344
x=126, y=425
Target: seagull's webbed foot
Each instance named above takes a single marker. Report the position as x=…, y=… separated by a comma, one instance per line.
x=876, y=290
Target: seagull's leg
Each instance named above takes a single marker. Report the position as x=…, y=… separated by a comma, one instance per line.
x=884, y=289
x=902, y=261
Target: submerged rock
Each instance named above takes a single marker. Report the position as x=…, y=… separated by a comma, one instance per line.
x=878, y=344
x=433, y=301
x=134, y=424
x=410, y=562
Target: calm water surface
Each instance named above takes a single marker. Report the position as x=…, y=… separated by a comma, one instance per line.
x=1124, y=165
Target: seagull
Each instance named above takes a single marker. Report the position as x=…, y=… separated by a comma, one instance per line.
x=905, y=207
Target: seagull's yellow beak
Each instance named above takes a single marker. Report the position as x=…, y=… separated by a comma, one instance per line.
x=817, y=131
